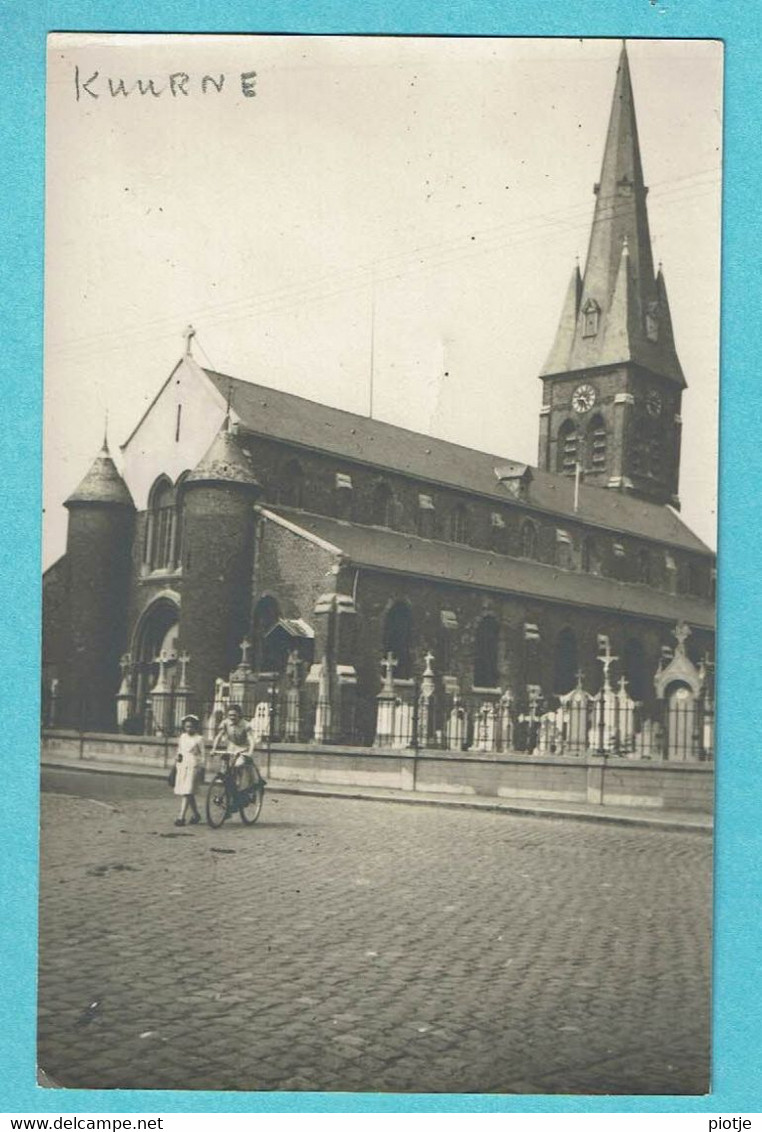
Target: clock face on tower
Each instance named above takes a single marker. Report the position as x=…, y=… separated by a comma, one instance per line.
x=653, y=403
x=583, y=398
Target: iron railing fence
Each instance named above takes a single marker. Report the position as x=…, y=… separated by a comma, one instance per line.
x=414, y=718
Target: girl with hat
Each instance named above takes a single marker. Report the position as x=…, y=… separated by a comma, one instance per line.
x=189, y=768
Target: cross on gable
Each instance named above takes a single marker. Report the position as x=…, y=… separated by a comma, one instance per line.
x=183, y=660
x=389, y=663
x=428, y=658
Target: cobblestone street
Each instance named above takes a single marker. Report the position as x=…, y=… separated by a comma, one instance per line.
x=355, y=945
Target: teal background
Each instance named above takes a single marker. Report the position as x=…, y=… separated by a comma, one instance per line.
x=738, y=922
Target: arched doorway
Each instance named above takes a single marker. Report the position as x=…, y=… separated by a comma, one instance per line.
x=156, y=633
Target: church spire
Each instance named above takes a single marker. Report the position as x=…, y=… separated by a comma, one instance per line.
x=619, y=319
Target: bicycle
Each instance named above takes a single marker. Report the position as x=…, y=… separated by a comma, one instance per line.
x=224, y=795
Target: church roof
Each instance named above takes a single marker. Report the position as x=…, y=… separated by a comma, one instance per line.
x=628, y=318
x=308, y=424
x=395, y=552
x=102, y=484
x=224, y=462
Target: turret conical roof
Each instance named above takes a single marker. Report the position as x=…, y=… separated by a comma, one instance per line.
x=225, y=462
x=102, y=484
x=622, y=312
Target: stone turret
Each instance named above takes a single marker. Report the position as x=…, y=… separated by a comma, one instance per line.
x=218, y=548
x=98, y=552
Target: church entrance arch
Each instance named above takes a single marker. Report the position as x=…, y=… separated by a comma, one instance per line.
x=155, y=633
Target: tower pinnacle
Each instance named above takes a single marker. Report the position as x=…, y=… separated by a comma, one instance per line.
x=637, y=330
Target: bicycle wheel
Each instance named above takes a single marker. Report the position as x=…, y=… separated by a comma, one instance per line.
x=251, y=803
x=217, y=802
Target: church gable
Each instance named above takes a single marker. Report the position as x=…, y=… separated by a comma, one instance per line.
x=175, y=431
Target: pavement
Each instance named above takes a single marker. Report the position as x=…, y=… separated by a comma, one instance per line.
x=536, y=807
x=342, y=944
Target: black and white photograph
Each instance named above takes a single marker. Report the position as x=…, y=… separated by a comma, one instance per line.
x=380, y=498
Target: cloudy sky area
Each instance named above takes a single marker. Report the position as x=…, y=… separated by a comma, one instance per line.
x=450, y=179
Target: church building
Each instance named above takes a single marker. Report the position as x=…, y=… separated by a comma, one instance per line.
x=351, y=581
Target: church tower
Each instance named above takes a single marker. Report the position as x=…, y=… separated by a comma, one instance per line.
x=612, y=385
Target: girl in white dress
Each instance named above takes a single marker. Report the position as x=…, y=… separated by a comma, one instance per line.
x=190, y=761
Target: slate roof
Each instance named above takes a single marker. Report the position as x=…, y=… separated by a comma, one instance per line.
x=225, y=462
x=101, y=484
x=395, y=552
x=272, y=413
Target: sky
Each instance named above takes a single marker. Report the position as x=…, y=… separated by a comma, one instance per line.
x=406, y=209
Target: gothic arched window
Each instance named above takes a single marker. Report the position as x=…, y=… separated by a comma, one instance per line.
x=459, y=524
x=398, y=638
x=566, y=662
x=291, y=485
x=568, y=448
x=486, y=642
x=528, y=543
x=596, y=443
x=382, y=506
x=159, y=547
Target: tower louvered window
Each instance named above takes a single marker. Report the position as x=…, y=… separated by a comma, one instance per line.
x=597, y=436
x=568, y=448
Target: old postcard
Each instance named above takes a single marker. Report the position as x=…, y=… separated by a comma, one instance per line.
x=381, y=388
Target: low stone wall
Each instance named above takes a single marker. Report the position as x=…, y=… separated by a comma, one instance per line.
x=613, y=781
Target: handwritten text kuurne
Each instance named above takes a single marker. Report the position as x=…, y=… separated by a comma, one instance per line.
x=178, y=84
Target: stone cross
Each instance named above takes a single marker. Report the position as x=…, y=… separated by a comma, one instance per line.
x=188, y=334
x=607, y=659
x=428, y=671
x=245, y=647
x=622, y=685
x=183, y=660
x=681, y=633
x=125, y=663
x=389, y=663
x=580, y=678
